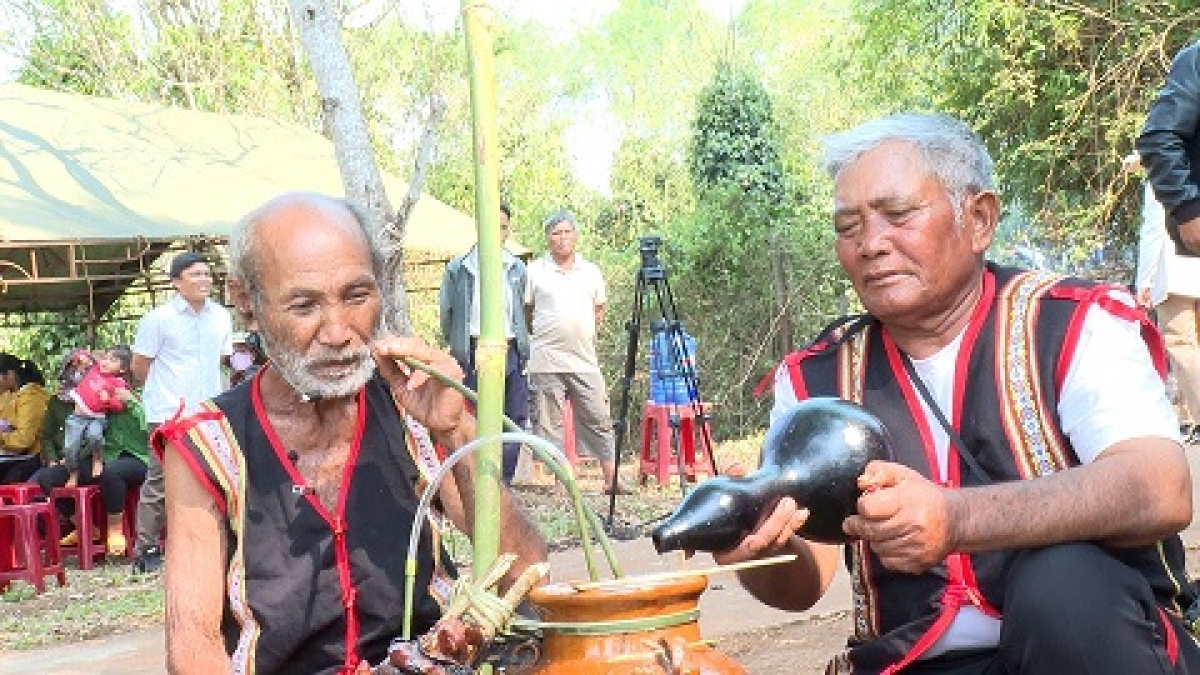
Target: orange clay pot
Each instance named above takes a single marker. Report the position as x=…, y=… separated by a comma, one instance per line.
x=626, y=649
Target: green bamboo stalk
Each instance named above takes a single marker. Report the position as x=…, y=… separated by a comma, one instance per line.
x=492, y=347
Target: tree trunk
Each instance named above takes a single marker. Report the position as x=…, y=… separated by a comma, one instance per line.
x=783, y=310
x=321, y=34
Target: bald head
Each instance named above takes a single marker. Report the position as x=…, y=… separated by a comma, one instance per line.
x=293, y=218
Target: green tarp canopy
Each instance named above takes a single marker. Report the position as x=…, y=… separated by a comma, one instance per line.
x=93, y=191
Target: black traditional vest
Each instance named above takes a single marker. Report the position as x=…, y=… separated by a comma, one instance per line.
x=1011, y=366
x=309, y=591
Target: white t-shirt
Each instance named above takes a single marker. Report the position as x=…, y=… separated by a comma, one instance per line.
x=471, y=262
x=186, y=347
x=1159, y=267
x=1111, y=393
x=564, y=315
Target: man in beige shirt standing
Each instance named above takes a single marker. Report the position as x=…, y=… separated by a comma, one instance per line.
x=564, y=303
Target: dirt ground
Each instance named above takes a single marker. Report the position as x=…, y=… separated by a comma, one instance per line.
x=797, y=648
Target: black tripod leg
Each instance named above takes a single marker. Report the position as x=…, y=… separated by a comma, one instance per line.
x=621, y=423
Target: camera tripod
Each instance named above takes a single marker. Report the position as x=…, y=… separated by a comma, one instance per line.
x=652, y=275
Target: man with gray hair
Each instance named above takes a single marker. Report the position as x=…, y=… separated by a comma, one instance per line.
x=1028, y=520
x=564, y=303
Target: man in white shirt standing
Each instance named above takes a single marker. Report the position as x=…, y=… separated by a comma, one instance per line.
x=177, y=356
x=564, y=303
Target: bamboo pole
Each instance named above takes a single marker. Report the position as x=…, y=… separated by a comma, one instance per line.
x=492, y=347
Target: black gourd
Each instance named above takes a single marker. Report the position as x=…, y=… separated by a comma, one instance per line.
x=813, y=453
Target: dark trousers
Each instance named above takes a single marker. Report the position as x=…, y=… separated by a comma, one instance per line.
x=18, y=469
x=1074, y=609
x=118, y=476
x=516, y=400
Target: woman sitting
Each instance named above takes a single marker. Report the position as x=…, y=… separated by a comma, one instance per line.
x=124, y=468
x=23, y=401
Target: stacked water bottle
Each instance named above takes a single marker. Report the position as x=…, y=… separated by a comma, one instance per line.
x=668, y=364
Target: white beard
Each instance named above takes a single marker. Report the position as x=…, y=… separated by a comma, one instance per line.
x=296, y=369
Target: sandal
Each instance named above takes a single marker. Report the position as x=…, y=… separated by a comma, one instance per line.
x=116, y=545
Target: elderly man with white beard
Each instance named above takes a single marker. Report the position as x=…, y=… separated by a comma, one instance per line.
x=290, y=501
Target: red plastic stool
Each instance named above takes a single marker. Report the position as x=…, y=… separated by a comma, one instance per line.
x=24, y=554
x=89, y=519
x=658, y=459
x=19, y=493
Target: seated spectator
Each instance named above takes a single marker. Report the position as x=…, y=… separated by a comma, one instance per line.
x=101, y=392
x=246, y=358
x=23, y=400
x=123, y=469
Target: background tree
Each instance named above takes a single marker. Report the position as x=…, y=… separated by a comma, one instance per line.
x=1057, y=89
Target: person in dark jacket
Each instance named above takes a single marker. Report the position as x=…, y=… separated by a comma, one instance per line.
x=1170, y=149
x=458, y=303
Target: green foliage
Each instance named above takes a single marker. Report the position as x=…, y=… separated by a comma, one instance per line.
x=735, y=146
x=1057, y=90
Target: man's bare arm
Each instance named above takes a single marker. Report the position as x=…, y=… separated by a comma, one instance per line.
x=140, y=368
x=1135, y=493
x=195, y=574
x=794, y=586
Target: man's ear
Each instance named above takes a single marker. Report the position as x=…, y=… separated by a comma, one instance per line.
x=239, y=295
x=981, y=215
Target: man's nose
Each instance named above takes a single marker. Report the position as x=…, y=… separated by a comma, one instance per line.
x=875, y=238
x=337, y=327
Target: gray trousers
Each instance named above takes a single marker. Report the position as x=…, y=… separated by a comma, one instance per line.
x=589, y=404
x=82, y=436
x=152, y=505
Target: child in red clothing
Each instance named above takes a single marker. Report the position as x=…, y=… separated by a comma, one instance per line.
x=101, y=391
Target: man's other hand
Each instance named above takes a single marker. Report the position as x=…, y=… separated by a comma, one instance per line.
x=904, y=517
x=771, y=536
x=437, y=406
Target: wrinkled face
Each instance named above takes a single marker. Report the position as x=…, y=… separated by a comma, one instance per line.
x=562, y=239
x=319, y=304
x=898, y=238
x=194, y=283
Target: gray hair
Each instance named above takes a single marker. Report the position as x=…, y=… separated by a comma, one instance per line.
x=243, y=256
x=559, y=216
x=949, y=149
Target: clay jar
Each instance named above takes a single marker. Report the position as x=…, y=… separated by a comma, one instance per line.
x=813, y=453
x=589, y=641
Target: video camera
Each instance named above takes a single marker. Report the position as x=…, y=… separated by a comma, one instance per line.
x=648, y=246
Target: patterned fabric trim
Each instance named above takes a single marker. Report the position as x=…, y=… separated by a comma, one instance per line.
x=1027, y=420
x=852, y=375
x=425, y=456
x=214, y=439
x=852, y=371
